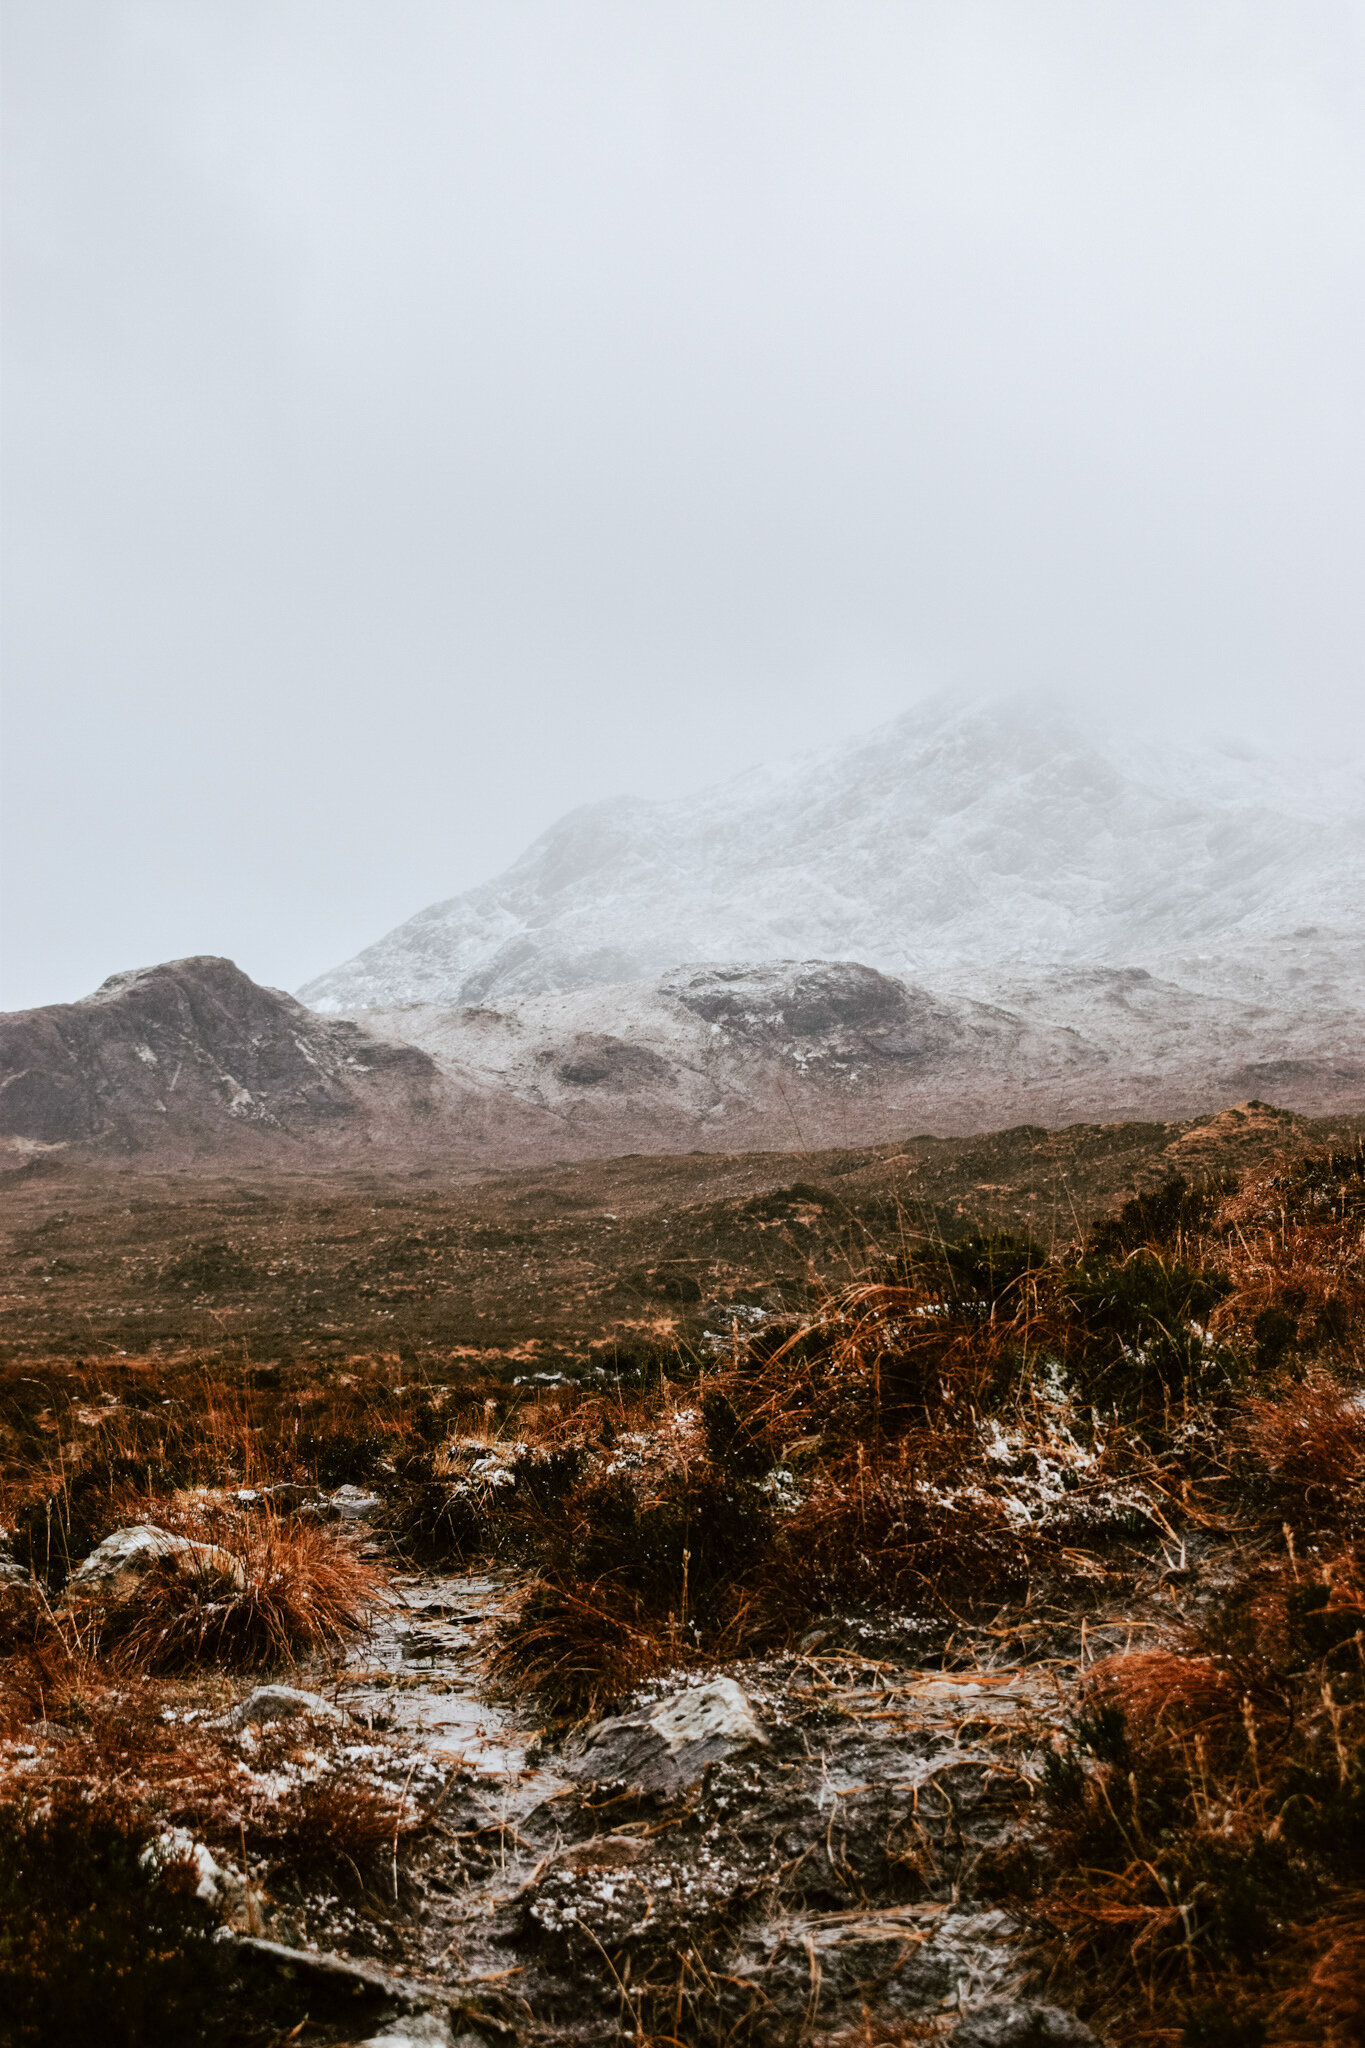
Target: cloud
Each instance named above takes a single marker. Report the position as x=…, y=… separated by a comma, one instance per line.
x=422, y=419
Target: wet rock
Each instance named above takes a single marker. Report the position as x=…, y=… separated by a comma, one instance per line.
x=115, y=1569
x=901, y=1962
x=354, y=1504
x=618, y=1893
x=664, y=1748
x=11, y=1574
x=267, y=1703
x=1007, y=2025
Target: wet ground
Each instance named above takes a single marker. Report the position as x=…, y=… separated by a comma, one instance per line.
x=781, y=1893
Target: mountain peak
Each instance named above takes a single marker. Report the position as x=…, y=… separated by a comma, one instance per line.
x=968, y=834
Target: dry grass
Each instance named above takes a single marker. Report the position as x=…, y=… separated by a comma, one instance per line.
x=580, y=1652
x=337, y=1829
x=1310, y=1443
x=1204, y=1831
x=302, y=1591
x=94, y=1944
x=959, y=1436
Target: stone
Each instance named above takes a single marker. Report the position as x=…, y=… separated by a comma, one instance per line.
x=220, y=1885
x=115, y=1568
x=354, y=1504
x=419, y=2030
x=267, y=1703
x=664, y=1748
x=12, y=1574
x=1010, y=2025
x=285, y=1497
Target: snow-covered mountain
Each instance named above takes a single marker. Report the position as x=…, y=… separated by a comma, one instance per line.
x=956, y=847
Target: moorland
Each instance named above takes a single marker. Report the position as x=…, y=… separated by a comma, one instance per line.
x=895, y=1594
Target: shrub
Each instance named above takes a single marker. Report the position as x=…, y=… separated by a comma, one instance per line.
x=1163, y=1219
x=578, y=1652
x=339, y=1830
x=1310, y=1445
x=98, y=1943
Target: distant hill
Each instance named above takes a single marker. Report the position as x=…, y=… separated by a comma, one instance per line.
x=192, y=1064
x=975, y=917
x=192, y=1060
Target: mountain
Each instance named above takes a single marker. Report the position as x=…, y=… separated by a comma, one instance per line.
x=192, y=1060
x=950, y=847
x=977, y=916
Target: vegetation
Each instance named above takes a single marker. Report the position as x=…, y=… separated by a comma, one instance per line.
x=101, y=1940
x=980, y=1430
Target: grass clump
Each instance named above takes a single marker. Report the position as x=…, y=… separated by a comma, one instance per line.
x=300, y=1591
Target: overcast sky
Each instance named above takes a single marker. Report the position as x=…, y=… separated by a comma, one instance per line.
x=423, y=416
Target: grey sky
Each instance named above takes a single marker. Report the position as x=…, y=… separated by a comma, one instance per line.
x=422, y=417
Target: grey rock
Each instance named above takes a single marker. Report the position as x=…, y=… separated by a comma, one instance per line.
x=115, y=1568
x=665, y=1748
x=1011, y=2025
x=354, y=1504
x=11, y=1574
x=267, y=1703
x=419, y=2030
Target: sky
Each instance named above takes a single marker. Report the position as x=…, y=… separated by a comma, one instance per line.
x=424, y=416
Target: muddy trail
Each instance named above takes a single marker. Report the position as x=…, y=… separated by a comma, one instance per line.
x=778, y=1850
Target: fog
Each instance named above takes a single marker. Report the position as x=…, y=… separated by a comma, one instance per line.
x=423, y=417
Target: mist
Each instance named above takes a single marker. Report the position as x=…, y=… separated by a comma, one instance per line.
x=421, y=419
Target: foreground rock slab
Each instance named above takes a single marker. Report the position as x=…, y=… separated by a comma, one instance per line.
x=265, y=1704
x=665, y=1748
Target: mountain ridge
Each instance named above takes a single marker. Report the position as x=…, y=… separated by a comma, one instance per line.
x=951, y=841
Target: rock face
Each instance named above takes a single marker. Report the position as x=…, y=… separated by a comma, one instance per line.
x=114, y=1570
x=194, y=1042
x=956, y=841
x=193, y=1060
x=665, y=1748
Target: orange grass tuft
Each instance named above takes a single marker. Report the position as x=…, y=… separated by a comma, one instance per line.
x=303, y=1591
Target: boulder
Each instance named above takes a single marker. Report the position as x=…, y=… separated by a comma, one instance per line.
x=1009, y=2025
x=664, y=1748
x=267, y=1703
x=115, y=1568
x=354, y=1503
x=420, y=2030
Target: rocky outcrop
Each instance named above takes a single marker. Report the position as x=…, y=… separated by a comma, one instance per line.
x=194, y=1043
x=194, y=1061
